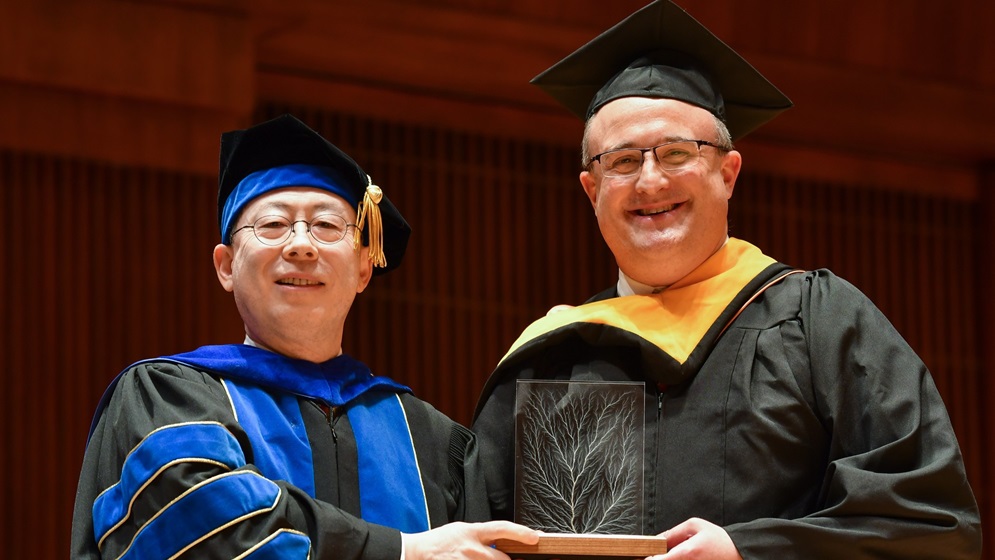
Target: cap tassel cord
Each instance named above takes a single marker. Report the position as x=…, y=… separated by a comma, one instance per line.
x=370, y=209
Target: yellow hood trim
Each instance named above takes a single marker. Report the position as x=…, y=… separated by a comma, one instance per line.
x=677, y=318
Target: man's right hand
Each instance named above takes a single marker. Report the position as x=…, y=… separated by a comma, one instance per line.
x=458, y=541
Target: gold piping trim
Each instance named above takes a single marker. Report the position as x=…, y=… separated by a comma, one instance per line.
x=187, y=492
x=278, y=532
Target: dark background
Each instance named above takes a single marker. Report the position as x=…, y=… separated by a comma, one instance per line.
x=111, y=111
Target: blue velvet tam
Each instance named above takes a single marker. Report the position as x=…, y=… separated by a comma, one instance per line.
x=259, y=183
x=285, y=152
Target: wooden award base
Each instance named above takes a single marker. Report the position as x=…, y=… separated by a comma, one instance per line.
x=585, y=547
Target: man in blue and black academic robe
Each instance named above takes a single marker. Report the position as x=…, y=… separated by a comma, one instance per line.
x=283, y=446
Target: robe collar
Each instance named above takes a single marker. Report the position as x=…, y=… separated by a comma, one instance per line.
x=334, y=382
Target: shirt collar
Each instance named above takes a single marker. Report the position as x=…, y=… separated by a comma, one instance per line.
x=628, y=287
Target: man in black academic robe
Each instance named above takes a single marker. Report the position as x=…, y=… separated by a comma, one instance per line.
x=785, y=417
x=750, y=424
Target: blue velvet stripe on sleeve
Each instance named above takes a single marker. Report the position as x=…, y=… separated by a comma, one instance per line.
x=282, y=545
x=203, y=511
x=207, y=442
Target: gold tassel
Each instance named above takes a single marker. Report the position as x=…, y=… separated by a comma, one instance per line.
x=369, y=209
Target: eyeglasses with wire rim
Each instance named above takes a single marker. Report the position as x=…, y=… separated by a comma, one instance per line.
x=672, y=156
x=326, y=229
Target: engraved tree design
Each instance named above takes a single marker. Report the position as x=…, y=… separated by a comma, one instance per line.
x=580, y=450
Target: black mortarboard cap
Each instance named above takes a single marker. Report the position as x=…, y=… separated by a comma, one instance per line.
x=285, y=141
x=661, y=51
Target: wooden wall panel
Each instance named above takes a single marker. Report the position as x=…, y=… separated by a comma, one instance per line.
x=102, y=266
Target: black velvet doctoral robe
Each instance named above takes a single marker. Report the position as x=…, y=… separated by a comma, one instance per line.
x=802, y=422
x=154, y=395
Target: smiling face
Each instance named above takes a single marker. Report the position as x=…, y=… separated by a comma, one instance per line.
x=660, y=226
x=294, y=297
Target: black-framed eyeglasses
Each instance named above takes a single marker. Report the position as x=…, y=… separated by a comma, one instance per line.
x=672, y=156
x=326, y=229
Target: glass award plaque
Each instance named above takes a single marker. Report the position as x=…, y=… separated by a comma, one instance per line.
x=579, y=469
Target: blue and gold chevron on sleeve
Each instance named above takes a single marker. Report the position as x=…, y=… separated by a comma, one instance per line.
x=202, y=511
x=203, y=442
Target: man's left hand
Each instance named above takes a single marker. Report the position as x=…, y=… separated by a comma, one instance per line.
x=697, y=539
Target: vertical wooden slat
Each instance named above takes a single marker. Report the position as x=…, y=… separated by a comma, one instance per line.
x=45, y=296
x=12, y=197
x=64, y=294
x=986, y=340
